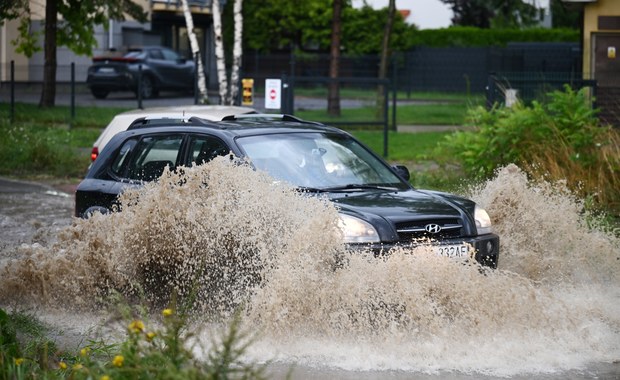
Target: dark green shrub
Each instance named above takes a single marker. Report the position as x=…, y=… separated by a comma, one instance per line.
x=470, y=36
x=559, y=138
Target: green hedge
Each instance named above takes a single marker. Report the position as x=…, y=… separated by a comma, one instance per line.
x=470, y=36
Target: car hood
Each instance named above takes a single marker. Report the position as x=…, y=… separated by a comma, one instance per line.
x=398, y=206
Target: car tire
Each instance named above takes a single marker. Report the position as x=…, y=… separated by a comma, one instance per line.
x=94, y=209
x=99, y=93
x=148, y=88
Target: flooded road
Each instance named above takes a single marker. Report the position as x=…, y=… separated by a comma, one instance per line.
x=551, y=310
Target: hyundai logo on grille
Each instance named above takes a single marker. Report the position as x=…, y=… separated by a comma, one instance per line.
x=432, y=228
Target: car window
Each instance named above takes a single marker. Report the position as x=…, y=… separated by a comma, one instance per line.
x=156, y=54
x=169, y=55
x=152, y=155
x=138, y=54
x=317, y=160
x=122, y=157
x=205, y=148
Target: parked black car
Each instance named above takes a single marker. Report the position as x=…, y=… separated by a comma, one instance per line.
x=378, y=207
x=150, y=68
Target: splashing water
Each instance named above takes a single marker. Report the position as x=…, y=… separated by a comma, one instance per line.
x=234, y=238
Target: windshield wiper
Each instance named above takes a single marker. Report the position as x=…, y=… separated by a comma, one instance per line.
x=353, y=186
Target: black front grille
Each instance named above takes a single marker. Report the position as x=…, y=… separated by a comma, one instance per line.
x=435, y=229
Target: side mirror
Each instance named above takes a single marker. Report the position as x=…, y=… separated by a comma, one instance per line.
x=402, y=171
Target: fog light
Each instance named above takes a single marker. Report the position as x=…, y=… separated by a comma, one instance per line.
x=490, y=247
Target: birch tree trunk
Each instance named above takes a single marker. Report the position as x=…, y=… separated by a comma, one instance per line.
x=237, y=52
x=193, y=42
x=219, y=50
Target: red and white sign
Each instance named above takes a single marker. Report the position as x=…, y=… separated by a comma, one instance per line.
x=273, y=93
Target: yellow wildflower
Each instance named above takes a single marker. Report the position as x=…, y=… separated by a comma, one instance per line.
x=104, y=377
x=137, y=326
x=150, y=335
x=62, y=365
x=118, y=361
x=167, y=312
x=18, y=361
x=85, y=351
x=77, y=366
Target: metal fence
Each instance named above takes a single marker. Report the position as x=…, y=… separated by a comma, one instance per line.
x=425, y=69
x=529, y=86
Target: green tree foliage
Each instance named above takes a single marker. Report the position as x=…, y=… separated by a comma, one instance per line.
x=11, y=9
x=272, y=25
x=493, y=13
x=76, y=22
x=363, y=31
x=565, y=15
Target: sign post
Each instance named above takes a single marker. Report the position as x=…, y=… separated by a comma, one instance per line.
x=273, y=93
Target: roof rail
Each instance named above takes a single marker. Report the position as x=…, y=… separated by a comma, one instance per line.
x=158, y=121
x=268, y=116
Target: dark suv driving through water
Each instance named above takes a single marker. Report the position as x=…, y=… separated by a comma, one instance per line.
x=378, y=207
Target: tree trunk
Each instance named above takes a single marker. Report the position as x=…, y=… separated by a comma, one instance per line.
x=333, y=97
x=237, y=52
x=385, y=55
x=219, y=51
x=48, y=94
x=193, y=41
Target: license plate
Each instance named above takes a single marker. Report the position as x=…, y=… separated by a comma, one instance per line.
x=106, y=70
x=458, y=250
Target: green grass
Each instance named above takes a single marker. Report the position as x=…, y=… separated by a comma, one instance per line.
x=403, y=146
x=451, y=110
x=85, y=117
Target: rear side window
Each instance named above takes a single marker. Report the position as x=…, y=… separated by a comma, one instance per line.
x=148, y=158
x=123, y=157
x=205, y=148
x=169, y=55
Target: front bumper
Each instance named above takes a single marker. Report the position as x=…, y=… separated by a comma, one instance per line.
x=486, y=247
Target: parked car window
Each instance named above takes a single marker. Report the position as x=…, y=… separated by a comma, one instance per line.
x=205, y=148
x=169, y=55
x=156, y=54
x=138, y=54
x=152, y=155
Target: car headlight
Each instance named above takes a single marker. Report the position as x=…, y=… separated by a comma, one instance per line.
x=356, y=230
x=483, y=222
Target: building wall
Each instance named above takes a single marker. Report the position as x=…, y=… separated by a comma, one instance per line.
x=601, y=58
x=8, y=33
x=592, y=11
x=119, y=34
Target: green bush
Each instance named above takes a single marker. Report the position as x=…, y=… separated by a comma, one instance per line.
x=471, y=36
x=560, y=139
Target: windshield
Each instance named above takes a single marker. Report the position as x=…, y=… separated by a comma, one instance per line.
x=318, y=161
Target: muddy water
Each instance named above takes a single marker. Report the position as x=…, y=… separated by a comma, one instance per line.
x=552, y=310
